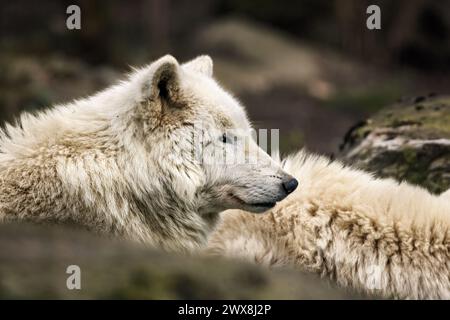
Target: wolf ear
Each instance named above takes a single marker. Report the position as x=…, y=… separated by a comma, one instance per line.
x=165, y=80
x=201, y=64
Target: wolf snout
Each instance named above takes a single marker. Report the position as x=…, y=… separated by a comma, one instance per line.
x=289, y=184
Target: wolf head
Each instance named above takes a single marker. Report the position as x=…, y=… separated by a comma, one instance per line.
x=197, y=140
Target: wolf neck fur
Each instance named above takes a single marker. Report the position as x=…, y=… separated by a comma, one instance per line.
x=56, y=181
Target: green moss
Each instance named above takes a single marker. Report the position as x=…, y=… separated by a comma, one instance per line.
x=410, y=155
x=425, y=164
x=432, y=118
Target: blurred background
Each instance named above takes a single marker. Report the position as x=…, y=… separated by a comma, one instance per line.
x=310, y=68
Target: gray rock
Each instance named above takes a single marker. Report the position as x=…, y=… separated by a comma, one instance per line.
x=408, y=141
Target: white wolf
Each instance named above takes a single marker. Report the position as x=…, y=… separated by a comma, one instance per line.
x=124, y=162
x=121, y=162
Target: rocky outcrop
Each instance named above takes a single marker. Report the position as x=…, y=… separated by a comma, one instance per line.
x=408, y=141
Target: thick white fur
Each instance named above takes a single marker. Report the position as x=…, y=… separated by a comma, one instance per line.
x=377, y=235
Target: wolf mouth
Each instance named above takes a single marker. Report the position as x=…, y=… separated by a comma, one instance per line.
x=263, y=204
x=253, y=204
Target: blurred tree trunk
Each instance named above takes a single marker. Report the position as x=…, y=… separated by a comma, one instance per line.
x=351, y=19
x=158, y=24
x=95, y=34
x=404, y=24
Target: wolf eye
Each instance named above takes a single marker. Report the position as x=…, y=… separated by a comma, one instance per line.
x=225, y=139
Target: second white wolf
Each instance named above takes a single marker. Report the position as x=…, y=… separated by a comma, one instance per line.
x=372, y=234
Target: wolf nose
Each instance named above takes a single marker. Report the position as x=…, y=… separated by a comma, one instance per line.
x=290, y=185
